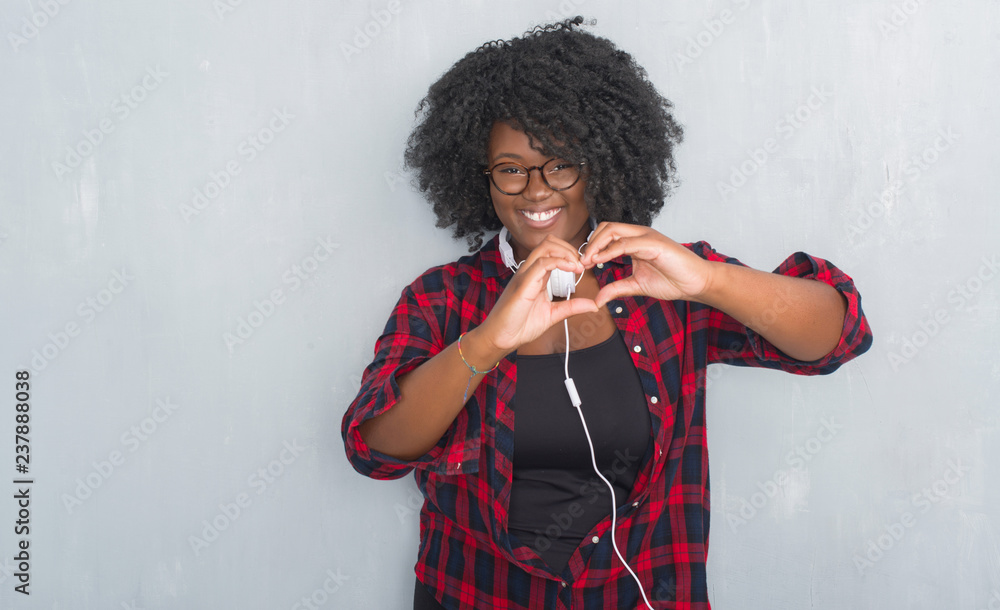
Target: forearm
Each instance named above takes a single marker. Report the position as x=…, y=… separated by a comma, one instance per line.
x=430, y=399
x=801, y=317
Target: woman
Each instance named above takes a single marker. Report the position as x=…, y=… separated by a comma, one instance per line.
x=559, y=139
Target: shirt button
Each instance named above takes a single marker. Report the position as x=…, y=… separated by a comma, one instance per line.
x=618, y=309
x=564, y=585
x=635, y=504
x=600, y=265
x=637, y=349
x=595, y=539
x=654, y=400
x=458, y=466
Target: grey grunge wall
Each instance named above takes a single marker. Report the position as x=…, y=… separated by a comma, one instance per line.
x=205, y=221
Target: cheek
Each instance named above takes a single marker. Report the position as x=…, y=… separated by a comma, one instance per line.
x=579, y=191
x=500, y=203
x=580, y=198
x=495, y=206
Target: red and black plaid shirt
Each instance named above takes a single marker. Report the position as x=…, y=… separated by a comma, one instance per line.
x=467, y=558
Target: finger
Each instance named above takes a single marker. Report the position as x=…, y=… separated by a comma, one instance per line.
x=537, y=273
x=646, y=245
x=614, y=290
x=595, y=237
x=561, y=261
x=608, y=233
x=612, y=249
x=558, y=258
x=553, y=246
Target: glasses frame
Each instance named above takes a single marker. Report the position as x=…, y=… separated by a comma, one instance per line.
x=528, y=170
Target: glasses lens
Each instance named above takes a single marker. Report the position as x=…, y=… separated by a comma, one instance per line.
x=561, y=174
x=512, y=178
x=509, y=177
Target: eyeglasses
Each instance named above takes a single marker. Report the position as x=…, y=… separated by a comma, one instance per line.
x=512, y=178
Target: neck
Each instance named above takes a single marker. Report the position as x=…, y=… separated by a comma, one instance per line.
x=521, y=254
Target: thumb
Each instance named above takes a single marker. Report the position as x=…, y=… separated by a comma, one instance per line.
x=621, y=288
x=571, y=307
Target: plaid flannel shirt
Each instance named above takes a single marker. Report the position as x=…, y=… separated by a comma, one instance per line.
x=466, y=556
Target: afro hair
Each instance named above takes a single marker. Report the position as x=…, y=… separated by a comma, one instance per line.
x=576, y=95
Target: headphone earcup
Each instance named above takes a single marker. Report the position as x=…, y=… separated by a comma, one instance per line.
x=561, y=284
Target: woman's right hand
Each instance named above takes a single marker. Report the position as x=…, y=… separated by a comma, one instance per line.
x=524, y=311
x=430, y=395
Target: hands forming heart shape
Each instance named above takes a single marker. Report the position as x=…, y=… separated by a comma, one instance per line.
x=661, y=269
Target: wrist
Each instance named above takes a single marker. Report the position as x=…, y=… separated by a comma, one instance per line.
x=715, y=282
x=477, y=350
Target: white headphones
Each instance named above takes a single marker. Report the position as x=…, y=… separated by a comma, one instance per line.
x=561, y=283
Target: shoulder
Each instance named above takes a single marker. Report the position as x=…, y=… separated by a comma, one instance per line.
x=457, y=276
x=701, y=248
x=705, y=250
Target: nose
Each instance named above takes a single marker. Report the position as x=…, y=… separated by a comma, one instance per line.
x=536, y=190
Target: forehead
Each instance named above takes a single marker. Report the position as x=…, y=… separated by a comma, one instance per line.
x=508, y=141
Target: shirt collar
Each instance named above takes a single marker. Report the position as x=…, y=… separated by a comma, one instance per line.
x=492, y=263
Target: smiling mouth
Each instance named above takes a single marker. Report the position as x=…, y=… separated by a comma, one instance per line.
x=540, y=216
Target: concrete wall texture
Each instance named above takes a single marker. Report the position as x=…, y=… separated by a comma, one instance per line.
x=205, y=221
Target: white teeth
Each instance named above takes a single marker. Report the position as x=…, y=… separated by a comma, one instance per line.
x=542, y=216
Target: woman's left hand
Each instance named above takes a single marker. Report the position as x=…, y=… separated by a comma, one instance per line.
x=661, y=267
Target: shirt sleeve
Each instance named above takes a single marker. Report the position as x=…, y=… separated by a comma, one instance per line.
x=732, y=342
x=411, y=337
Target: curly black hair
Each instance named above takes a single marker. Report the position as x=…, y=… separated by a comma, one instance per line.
x=576, y=95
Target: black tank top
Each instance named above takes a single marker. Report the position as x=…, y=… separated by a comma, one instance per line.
x=556, y=497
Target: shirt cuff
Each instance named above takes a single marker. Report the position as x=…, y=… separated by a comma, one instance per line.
x=855, y=334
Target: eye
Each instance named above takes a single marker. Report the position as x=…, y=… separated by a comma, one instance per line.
x=510, y=170
x=559, y=165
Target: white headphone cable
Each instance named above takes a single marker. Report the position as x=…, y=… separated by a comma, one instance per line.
x=575, y=398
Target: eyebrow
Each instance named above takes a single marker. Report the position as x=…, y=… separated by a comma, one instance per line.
x=511, y=155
